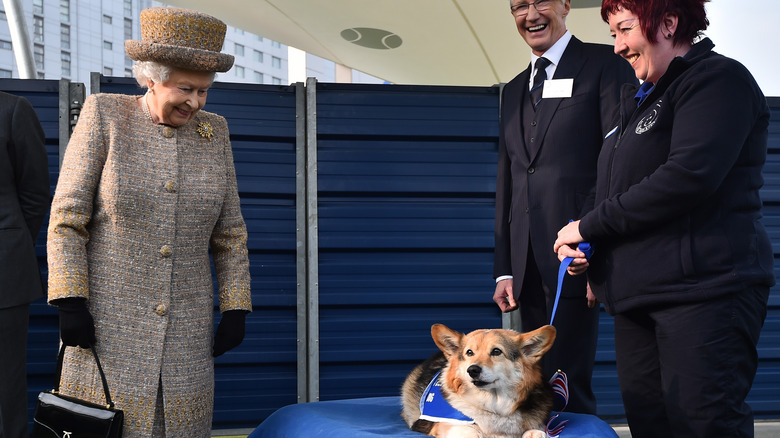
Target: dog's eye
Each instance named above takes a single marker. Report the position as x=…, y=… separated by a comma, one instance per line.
x=469, y=353
x=496, y=352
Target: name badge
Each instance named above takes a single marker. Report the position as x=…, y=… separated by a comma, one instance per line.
x=557, y=88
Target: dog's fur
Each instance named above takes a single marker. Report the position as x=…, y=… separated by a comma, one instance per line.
x=492, y=376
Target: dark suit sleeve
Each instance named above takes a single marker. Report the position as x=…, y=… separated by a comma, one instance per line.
x=31, y=165
x=502, y=263
x=616, y=71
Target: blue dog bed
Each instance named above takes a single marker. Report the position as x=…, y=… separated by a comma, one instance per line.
x=381, y=417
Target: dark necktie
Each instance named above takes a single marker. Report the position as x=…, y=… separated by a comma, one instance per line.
x=539, y=77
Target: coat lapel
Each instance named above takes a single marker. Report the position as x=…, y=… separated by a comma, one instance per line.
x=516, y=135
x=569, y=67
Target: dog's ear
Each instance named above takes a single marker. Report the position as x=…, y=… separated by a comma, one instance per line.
x=534, y=344
x=446, y=339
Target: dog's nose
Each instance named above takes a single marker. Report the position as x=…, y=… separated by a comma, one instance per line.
x=474, y=371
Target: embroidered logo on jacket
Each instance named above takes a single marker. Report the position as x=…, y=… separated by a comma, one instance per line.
x=648, y=121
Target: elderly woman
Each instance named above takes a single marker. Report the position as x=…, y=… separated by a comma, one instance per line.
x=147, y=185
x=681, y=258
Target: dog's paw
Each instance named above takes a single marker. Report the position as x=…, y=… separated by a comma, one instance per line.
x=535, y=434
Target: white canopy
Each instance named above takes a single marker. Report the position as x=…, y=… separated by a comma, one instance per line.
x=426, y=42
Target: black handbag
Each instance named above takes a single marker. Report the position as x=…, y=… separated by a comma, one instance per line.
x=60, y=416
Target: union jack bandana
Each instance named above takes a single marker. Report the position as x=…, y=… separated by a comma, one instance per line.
x=560, y=385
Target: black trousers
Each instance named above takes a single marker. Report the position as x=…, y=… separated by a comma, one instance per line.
x=14, y=322
x=574, y=349
x=686, y=369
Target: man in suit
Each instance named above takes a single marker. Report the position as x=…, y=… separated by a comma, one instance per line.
x=550, y=137
x=24, y=202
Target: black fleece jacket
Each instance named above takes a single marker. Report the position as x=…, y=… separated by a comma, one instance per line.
x=677, y=216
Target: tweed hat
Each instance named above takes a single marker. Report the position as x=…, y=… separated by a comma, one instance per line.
x=181, y=38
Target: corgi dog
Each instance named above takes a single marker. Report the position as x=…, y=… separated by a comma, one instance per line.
x=492, y=379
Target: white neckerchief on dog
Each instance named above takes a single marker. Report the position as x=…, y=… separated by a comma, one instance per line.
x=434, y=407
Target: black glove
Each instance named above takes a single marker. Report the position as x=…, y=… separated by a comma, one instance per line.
x=230, y=331
x=76, y=325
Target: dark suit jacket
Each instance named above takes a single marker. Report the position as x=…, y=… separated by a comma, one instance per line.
x=540, y=188
x=24, y=200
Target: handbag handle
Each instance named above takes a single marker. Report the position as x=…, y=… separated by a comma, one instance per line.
x=60, y=358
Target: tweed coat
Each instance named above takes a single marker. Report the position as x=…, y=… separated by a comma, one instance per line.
x=136, y=207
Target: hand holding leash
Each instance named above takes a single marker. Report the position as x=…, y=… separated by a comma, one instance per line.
x=564, y=246
x=572, y=261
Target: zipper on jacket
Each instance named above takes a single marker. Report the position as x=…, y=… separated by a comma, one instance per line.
x=614, y=148
x=621, y=128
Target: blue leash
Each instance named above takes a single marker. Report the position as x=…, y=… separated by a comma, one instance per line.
x=588, y=251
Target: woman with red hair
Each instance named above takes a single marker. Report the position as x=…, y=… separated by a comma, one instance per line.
x=681, y=258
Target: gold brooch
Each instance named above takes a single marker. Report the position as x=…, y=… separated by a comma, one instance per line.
x=205, y=130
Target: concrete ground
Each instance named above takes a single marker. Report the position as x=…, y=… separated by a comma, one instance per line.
x=763, y=428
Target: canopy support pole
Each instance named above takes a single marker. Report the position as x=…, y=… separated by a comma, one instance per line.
x=20, y=38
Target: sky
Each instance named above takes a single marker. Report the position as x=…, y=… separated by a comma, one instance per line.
x=749, y=31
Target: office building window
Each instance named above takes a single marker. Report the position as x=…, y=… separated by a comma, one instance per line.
x=38, y=7
x=65, y=36
x=5, y=74
x=239, y=71
x=38, y=56
x=38, y=29
x=108, y=45
x=276, y=62
x=239, y=31
x=6, y=45
x=258, y=56
x=128, y=8
x=128, y=62
x=258, y=38
x=276, y=81
x=2, y=16
x=65, y=62
x=275, y=44
x=239, y=50
x=65, y=11
x=108, y=71
x=107, y=19
x=128, y=29
x=258, y=77
x=128, y=72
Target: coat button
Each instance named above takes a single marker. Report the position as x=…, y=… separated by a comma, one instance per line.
x=531, y=170
x=168, y=132
x=170, y=187
x=161, y=310
x=533, y=123
x=166, y=251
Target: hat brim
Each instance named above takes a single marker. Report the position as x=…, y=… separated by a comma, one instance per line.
x=186, y=58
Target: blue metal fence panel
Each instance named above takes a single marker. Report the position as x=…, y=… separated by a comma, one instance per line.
x=764, y=397
x=406, y=181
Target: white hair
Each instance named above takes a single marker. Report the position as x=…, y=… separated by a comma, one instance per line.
x=144, y=71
